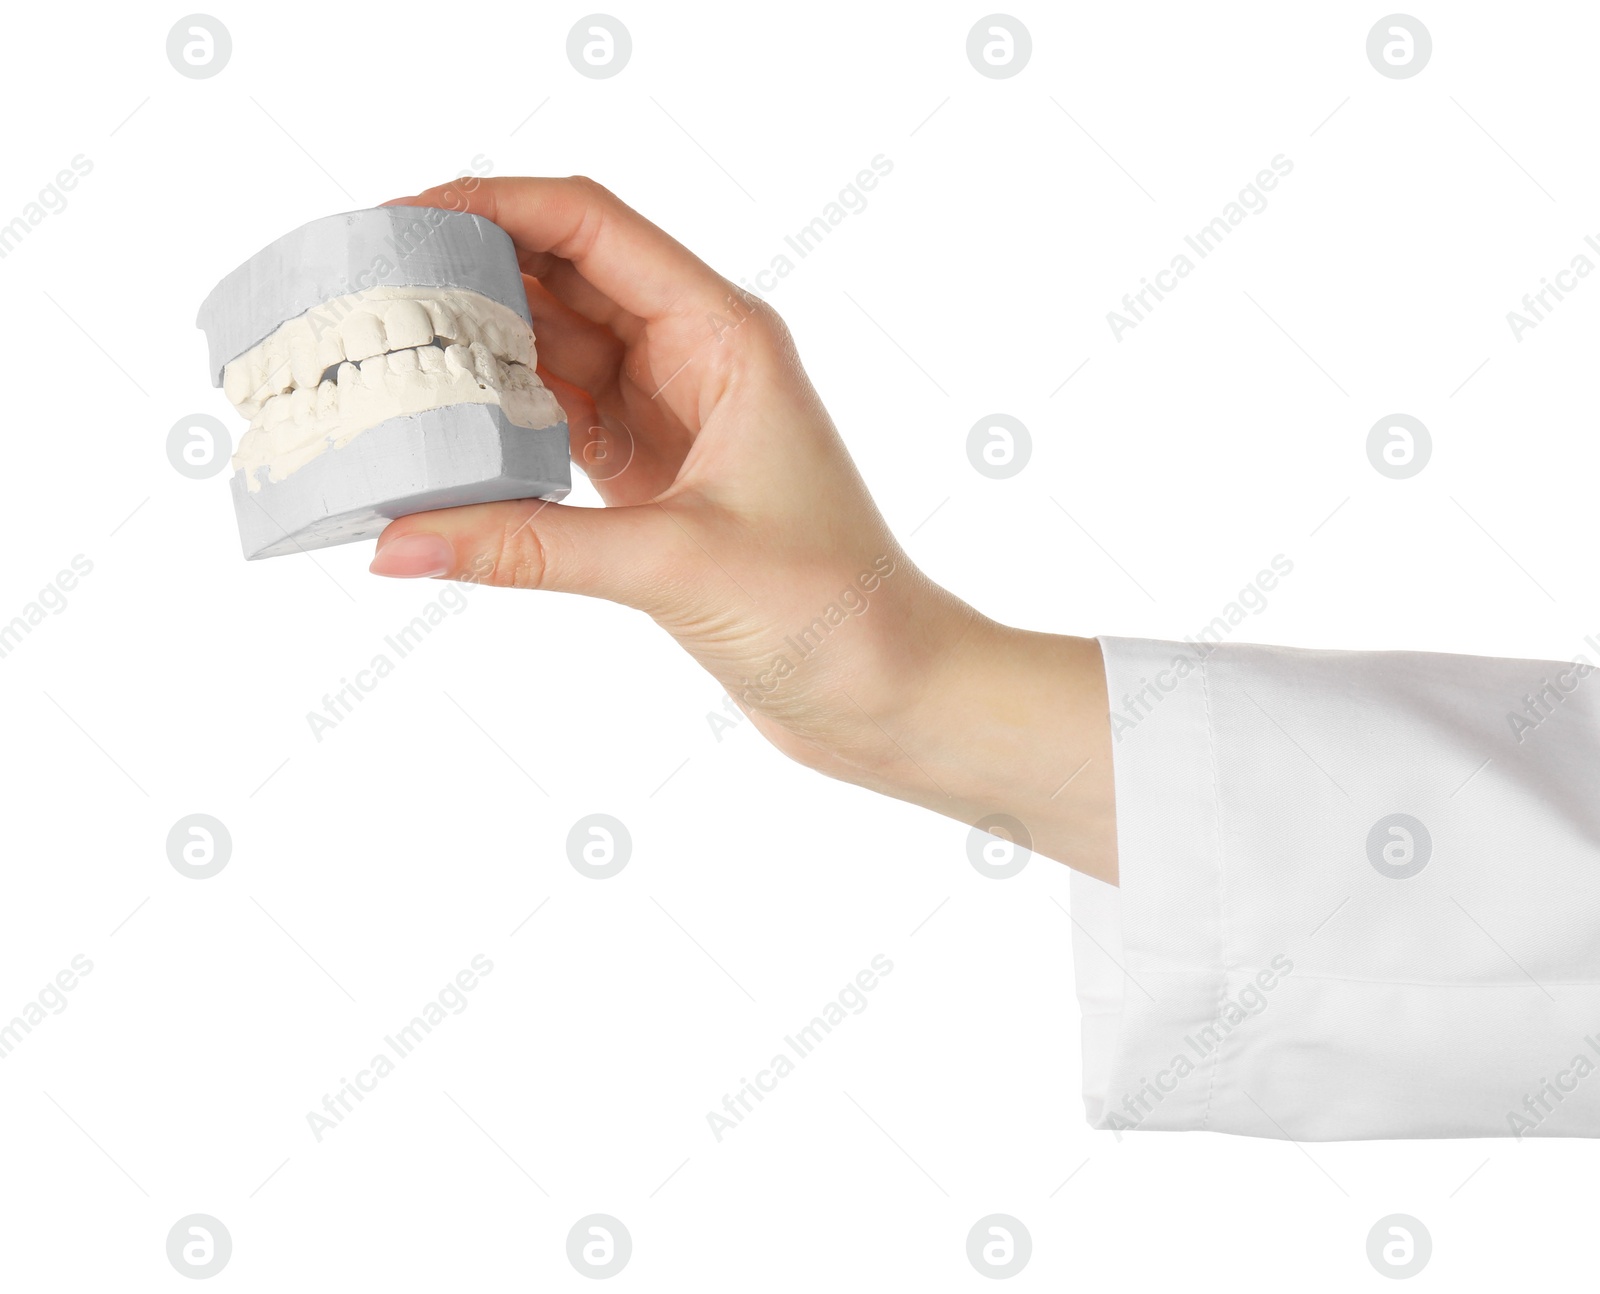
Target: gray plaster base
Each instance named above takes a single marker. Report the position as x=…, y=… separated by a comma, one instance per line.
x=441, y=458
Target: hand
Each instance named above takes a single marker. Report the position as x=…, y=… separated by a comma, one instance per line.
x=737, y=521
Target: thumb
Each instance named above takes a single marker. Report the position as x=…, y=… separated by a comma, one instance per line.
x=614, y=553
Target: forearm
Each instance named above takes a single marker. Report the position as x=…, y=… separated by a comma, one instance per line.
x=1010, y=722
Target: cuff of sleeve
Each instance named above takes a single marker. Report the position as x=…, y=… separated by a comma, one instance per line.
x=1148, y=953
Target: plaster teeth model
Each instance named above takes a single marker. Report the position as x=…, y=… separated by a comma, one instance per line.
x=385, y=360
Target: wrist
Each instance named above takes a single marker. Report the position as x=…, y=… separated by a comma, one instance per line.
x=1003, y=721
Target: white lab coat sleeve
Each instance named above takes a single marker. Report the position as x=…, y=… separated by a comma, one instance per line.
x=1359, y=896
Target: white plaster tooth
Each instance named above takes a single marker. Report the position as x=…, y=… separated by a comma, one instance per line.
x=363, y=335
x=446, y=323
x=256, y=368
x=518, y=342
x=236, y=383
x=403, y=361
x=348, y=375
x=327, y=400
x=375, y=372
x=303, y=403
x=276, y=377
x=406, y=324
x=330, y=347
x=457, y=360
x=430, y=359
x=483, y=364
x=303, y=366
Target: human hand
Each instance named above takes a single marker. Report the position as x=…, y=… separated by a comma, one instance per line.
x=736, y=519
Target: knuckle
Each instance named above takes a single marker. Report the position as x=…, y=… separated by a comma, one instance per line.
x=756, y=323
x=520, y=558
x=589, y=186
x=597, y=206
x=770, y=328
x=767, y=316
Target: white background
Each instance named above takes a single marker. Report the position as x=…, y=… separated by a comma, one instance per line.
x=369, y=867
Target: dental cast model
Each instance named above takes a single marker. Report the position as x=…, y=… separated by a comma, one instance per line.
x=385, y=359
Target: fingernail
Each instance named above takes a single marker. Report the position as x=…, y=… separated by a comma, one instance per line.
x=414, y=557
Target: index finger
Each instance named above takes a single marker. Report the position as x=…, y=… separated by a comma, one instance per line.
x=638, y=265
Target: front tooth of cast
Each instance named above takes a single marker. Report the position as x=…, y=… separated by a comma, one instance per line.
x=407, y=325
x=457, y=360
x=303, y=364
x=348, y=375
x=483, y=363
x=403, y=361
x=302, y=404
x=327, y=399
x=363, y=336
x=430, y=359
